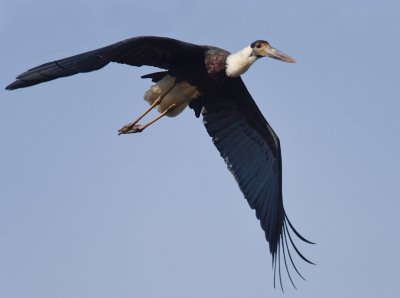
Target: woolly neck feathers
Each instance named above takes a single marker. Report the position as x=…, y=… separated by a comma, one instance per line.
x=240, y=62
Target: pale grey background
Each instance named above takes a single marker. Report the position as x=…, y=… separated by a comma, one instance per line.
x=87, y=213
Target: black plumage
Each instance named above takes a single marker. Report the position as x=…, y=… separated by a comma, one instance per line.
x=245, y=140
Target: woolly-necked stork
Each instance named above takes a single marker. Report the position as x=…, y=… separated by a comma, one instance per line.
x=207, y=79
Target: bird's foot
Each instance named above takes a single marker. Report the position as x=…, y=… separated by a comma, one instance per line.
x=129, y=128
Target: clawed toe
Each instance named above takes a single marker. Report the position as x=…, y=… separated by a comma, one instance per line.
x=129, y=128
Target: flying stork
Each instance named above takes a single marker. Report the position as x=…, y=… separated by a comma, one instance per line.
x=207, y=79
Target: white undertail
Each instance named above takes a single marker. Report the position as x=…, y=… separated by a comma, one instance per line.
x=181, y=95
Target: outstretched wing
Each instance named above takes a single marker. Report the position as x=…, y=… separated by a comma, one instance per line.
x=138, y=51
x=252, y=152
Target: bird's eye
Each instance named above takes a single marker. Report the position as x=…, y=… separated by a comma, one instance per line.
x=258, y=45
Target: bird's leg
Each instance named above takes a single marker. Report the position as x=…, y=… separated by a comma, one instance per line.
x=131, y=126
x=140, y=128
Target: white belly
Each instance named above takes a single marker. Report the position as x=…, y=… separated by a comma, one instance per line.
x=180, y=95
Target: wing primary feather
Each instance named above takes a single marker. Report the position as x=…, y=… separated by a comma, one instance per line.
x=285, y=230
x=298, y=252
x=274, y=266
x=297, y=234
x=59, y=65
x=284, y=258
x=279, y=260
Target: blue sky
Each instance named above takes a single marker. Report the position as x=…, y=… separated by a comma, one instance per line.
x=87, y=213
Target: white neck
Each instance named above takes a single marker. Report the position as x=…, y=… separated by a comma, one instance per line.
x=240, y=62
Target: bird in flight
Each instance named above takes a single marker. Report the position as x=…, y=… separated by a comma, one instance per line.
x=207, y=79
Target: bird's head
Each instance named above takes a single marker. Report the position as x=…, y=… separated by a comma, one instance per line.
x=238, y=63
x=261, y=48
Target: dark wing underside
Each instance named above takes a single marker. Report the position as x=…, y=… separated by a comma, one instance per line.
x=252, y=153
x=138, y=51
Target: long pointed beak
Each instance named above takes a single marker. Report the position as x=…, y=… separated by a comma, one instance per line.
x=278, y=55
